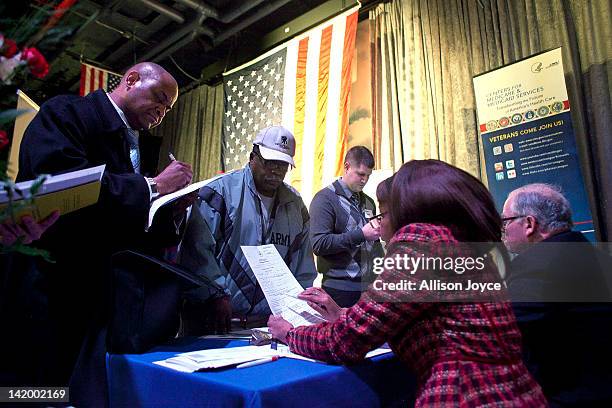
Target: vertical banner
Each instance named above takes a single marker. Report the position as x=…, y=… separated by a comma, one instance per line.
x=527, y=134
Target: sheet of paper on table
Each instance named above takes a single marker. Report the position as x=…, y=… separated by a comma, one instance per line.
x=279, y=285
x=227, y=357
x=216, y=358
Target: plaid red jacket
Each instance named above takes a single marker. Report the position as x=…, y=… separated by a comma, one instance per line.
x=464, y=354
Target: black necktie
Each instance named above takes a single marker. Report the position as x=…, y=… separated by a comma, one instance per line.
x=355, y=199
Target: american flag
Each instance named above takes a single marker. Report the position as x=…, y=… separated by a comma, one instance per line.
x=303, y=85
x=94, y=78
x=253, y=101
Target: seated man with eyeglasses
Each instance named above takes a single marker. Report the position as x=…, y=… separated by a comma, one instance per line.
x=251, y=206
x=557, y=282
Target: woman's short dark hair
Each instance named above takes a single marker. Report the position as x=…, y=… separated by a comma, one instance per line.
x=434, y=192
x=383, y=190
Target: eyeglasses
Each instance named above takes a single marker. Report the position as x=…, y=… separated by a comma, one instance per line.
x=507, y=220
x=378, y=217
x=272, y=164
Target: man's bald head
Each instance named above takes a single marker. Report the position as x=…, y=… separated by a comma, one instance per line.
x=146, y=92
x=149, y=70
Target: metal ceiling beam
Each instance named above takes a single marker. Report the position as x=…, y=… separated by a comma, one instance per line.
x=126, y=51
x=231, y=15
x=176, y=46
x=183, y=42
x=195, y=27
x=263, y=12
x=213, y=13
x=201, y=8
x=112, y=16
x=176, y=36
x=164, y=10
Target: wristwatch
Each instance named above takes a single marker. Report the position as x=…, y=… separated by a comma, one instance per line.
x=153, y=187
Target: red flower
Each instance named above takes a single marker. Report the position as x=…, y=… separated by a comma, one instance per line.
x=9, y=48
x=36, y=62
x=3, y=139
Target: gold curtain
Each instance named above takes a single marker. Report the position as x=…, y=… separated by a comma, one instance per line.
x=427, y=51
x=192, y=131
x=424, y=102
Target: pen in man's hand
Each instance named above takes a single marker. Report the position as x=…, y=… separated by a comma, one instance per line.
x=171, y=156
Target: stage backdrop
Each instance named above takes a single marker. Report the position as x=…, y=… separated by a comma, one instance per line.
x=303, y=85
x=526, y=131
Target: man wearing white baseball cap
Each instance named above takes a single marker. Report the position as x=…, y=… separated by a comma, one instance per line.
x=276, y=143
x=251, y=206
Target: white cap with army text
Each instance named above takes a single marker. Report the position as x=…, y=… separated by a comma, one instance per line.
x=276, y=143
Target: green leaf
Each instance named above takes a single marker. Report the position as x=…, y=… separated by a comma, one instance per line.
x=9, y=115
x=38, y=184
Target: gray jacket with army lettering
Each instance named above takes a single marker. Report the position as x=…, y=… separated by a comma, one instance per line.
x=228, y=214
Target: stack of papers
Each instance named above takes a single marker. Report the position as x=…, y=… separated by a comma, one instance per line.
x=216, y=358
x=229, y=357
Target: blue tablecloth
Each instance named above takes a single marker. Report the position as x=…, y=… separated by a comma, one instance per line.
x=134, y=381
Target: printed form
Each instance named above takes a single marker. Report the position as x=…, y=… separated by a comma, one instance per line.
x=280, y=286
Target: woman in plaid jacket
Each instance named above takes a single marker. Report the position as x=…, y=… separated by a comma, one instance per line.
x=465, y=348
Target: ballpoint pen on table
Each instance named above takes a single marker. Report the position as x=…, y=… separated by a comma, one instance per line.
x=258, y=362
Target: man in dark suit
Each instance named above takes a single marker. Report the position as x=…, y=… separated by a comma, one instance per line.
x=70, y=297
x=560, y=292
